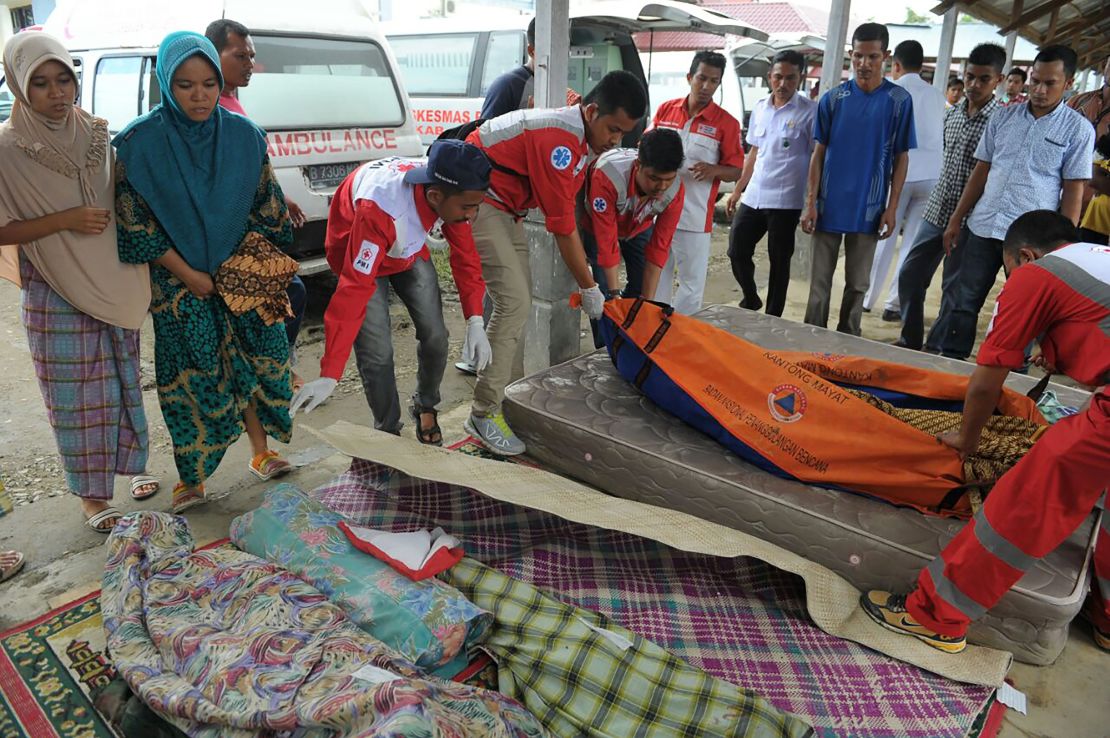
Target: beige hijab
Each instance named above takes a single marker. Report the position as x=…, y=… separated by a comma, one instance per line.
x=49, y=166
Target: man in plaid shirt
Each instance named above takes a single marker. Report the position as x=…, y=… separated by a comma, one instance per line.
x=964, y=124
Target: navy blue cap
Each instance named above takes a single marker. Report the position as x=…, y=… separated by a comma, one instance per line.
x=453, y=162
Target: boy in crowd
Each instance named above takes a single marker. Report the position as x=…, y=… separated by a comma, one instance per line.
x=1015, y=83
x=864, y=132
x=711, y=139
x=954, y=92
x=379, y=221
x=773, y=183
x=963, y=127
x=539, y=160
x=921, y=176
x=1033, y=156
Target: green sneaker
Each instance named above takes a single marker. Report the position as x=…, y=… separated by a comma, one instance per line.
x=495, y=434
x=889, y=611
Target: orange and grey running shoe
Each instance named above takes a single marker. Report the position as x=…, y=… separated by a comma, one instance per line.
x=889, y=611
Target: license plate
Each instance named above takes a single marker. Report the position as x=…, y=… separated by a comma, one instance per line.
x=329, y=176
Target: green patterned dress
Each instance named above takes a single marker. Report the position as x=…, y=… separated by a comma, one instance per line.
x=210, y=365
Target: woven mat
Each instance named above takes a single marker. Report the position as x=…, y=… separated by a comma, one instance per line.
x=739, y=618
x=831, y=601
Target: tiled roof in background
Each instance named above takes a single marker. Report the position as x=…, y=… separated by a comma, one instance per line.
x=774, y=17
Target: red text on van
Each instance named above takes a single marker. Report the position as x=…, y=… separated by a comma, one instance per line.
x=303, y=143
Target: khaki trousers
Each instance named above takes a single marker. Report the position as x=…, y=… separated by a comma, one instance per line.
x=503, y=250
x=859, y=252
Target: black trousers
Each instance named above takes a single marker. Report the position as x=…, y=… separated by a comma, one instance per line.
x=749, y=225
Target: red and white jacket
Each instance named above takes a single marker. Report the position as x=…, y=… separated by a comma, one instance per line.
x=377, y=226
x=712, y=136
x=539, y=160
x=616, y=211
x=1062, y=300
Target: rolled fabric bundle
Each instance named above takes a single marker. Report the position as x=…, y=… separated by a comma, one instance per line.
x=429, y=622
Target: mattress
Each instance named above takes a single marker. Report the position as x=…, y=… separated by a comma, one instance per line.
x=583, y=420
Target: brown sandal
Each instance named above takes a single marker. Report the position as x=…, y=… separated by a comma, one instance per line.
x=427, y=436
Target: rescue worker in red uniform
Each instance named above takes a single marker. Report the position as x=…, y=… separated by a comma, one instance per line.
x=539, y=160
x=1057, y=292
x=631, y=205
x=381, y=217
x=628, y=192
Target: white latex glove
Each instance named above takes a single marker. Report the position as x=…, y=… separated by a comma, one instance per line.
x=476, y=349
x=593, y=301
x=312, y=394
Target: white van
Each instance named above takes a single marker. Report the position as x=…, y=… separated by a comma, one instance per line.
x=448, y=64
x=325, y=86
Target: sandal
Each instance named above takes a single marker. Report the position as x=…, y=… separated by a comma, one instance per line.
x=427, y=436
x=298, y=383
x=268, y=465
x=185, y=497
x=9, y=571
x=144, y=486
x=95, y=522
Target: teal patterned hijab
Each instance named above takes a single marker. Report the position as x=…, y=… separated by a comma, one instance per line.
x=199, y=179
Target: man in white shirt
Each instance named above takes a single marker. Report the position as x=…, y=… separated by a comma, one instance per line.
x=773, y=183
x=713, y=154
x=921, y=177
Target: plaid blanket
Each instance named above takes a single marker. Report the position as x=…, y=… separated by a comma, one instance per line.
x=713, y=613
x=553, y=656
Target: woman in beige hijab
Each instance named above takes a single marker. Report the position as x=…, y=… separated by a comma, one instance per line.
x=82, y=308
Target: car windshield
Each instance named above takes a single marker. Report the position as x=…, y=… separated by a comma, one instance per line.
x=436, y=64
x=320, y=83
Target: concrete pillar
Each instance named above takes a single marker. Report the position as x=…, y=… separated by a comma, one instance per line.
x=1011, y=43
x=835, y=39
x=552, y=334
x=552, y=52
x=944, y=54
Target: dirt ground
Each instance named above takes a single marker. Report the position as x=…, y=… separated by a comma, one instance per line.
x=65, y=559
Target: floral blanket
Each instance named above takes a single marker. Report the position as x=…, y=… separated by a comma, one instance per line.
x=429, y=622
x=224, y=644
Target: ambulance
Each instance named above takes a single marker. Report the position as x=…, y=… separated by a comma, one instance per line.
x=448, y=64
x=325, y=86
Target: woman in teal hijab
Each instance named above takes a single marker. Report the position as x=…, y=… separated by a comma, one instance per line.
x=193, y=180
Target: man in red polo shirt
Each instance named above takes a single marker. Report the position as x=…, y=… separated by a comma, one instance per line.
x=1058, y=294
x=713, y=155
x=539, y=160
x=381, y=216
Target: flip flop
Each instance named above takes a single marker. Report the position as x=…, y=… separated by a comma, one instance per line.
x=268, y=465
x=139, y=481
x=12, y=569
x=185, y=497
x=93, y=521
